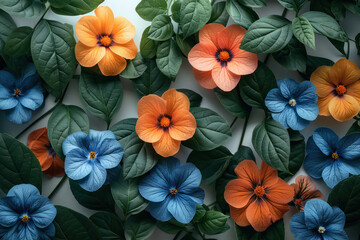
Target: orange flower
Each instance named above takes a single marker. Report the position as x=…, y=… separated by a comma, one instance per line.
x=217, y=60
x=106, y=41
x=304, y=191
x=165, y=121
x=257, y=198
x=338, y=88
x=39, y=144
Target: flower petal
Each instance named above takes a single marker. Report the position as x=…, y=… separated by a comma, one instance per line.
x=183, y=125
x=344, y=108
x=77, y=164
x=268, y=175
x=126, y=50
x=123, y=30
x=147, y=128
x=307, y=110
x=238, y=193
x=354, y=90
x=299, y=228
x=112, y=64
x=348, y=147
x=239, y=216
x=288, y=87
x=159, y=210
x=281, y=192
x=7, y=79
x=151, y=104
x=323, y=104
x=321, y=79
x=74, y=141
x=42, y=154
x=155, y=186
x=209, y=33
x=258, y=215
x=175, y=101
x=110, y=153
x=182, y=207
x=7, y=100
x=8, y=214
x=224, y=79
x=197, y=195
x=243, y=62
x=188, y=177
x=19, y=114
x=105, y=17
x=89, y=56
x=43, y=212
x=334, y=173
x=316, y=213
x=204, y=79
x=326, y=140
x=87, y=29
x=275, y=102
x=96, y=137
x=167, y=146
x=231, y=37
x=248, y=170
x=32, y=99
x=277, y=210
x=345, y=72
x=202, y=56
x=95, y=180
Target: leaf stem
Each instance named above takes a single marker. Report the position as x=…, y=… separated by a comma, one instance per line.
x=244, y=128
x=211, y=204
x=42, y=17
x=63, y=179
x=348, y=50
x=233, y=122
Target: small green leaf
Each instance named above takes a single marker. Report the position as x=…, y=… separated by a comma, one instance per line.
x=7, y=25
x=147, y=46
x=194, y=98
x=338, y=45
x=200, y=213
x=161, y=28
x=109, y=226
x=232, y=102
x=185, y=45
x=253, y=3
x=241, y=15
x=124, y=129
x=171, y=227
x=213, y=223
x=338, y=9
x=76, y=7
x=355, y=127
x=219, y=13
x=18, y=42
x=149, y=9
x=23, y=8
x=294, y=5
x=140, y=227
x=175, y=10
x=303, y=31
x=169, y=58
x=275, y=231
x=313, y=63
x=135, y=68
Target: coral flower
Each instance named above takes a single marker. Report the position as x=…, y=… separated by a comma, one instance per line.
x=338, y=88
x=39, y=144
x=257, y=198
x=165, y=121
x=218, y=60
x=106, y=41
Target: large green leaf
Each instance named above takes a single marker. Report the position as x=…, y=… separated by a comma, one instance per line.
x=275, y=232
x=169, y=58
x=23, y=8
x=124, y=129
x=18, y=42
x=135, y=68
x=211, y=131
x=303, y=31
x=213, y=223
x=272, y=142
x=75, y=7
x=346, y=195
x=187, y=44
x=241, y=15
x=147, y=46
x=109, y=226
x=140, y=227
x=232, y=102
x=101, y=96
x=268, y=34
x=161, y=28
x=65, y=120
x=253, y=3
x=149, y=9
x=175, y=10
x=194, y=14
x=219, y=13
x=194, y=98
x=7, y=25
x=294, y=5
x=71, y=225
x=172, y=226
x=52, y=49
x=18, y=164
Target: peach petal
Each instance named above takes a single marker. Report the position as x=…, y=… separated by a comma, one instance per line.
x=151, y=104
x=277, y=211
x=202, y=56
x=354, y=90
x=243, y=62
x=147, y=128
x=344, y=108
x=248, y=170
x=258, y=215
x=56, y=169
x=321, y=79
x=239, y=216
x=268, y=175
x=112, y=64
x=183, y=125
x=231, y=37
x=89, y=56
x=106, y=18
x=167, y=146
x=323, y=104
x=175, y=101
x=209, y=33
x=87, y=29
x=123, y=30
x=281, y=192
x=344, y=72
x=127, y=50
x=238, y=193
x=224, y=78
x=204, y=79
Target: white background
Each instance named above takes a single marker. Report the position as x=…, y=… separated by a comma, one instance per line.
x=185, y=79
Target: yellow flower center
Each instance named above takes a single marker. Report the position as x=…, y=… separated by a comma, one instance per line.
x=105, y=41
x=224, y=56
x=292, y=102
x=335, y=156
x=25, y=219
x=92, y=155
x=17, y=92
x=165, y=122
x=340, y=90
x=259, y=191
x=173, y=191
x=321, y=230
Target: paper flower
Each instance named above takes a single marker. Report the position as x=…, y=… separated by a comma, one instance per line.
x=19, y=96
x=293, y=104
x=105, y=41
x=172, y=190
x=25, y=214
x=318, y=221
x=338, y=88
x=89, y=158
x=165, y=121
x=39, y=144
x=257, y=198
x=218, y=60
x=331, y=158
x=304, y=191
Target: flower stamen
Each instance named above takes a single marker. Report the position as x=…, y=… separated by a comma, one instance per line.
x=92, y=155
x=335, y=156
x=292, y=102
x=259, y=191
x=340, y=90
x=105, y=41
x=17, y=92
x=224, y=56
x=173, y=191
x=321, y=230
x=164, y=121
x=25, y=219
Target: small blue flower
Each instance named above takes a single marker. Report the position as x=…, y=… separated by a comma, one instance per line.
x=331, y=158
x=173, y=190
x=319, y=221
x=92, y=160
x=293, y=104
x=19, y=96
x=25, y=214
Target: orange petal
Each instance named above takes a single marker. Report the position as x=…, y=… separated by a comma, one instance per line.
x=105, y=16
x=231, y=37
x=87, y=29
x=42, y=154
x=321, y=79
x=258, y=215
x=38, y=134
x=151, y=104
x=323, y=104
x=127, y=50
x=56, y=169
x=303, y=183
x=268, y=175
x=243, y=62
x=209, y=33
x=89, y=56
x=354, y=90
x=239, y=216
x=344, y=71
x=277, y=211
x=112, y=64
x=204, y=79
x=123, y=30
x=183, y=125
x=224, y=78
x=238, y=193
x=202, y=56
x=344, y=108
x=147, y=128
x=167, y=146
x=281, y=192
x=175, y=101
x=248, y=170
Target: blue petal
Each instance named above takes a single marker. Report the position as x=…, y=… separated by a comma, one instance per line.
x=29, y=78
x=42, y=212
x=299, y=228
x=29, y=232
x=155, y=186
x=275, y=102
x=95, y=180
x=159, y=210
x=306, y=92
x=337, y=222
x=326, y=140
x=170, y=163
x=32, y=99
x=109, y=153
x=77, y=164
x=334, y=173
x=7, y=100
x=317, y=212
x=23, y=192
x=307, y=110
x=197, y=195
x=282, y=117
x=8, y=212
x=47, y=233
x=288, y=87
x=19, y=114
x=7, y=80
x=187, y=177
x=12, y=233
x=349, y=147
x=332, y=235
x=295, y=122
x=315, y=161
x=75, y=140
x=96, y=137
x=182, y=207
x=351, y=166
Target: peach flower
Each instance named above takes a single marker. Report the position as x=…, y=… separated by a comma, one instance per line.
x=304, y=191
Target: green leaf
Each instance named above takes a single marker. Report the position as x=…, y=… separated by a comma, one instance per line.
x=294, y=5
x=185, y=45
x=18, y=164
x=194, y=98
x=213, y=223
x=58, y=3
x=18, y=42
x=71, y=225
x=140, y=227
x=169, y=58
x=153, y=81
x=275, y=231
x=255, y=87
x=253, y=3
x=23, y=8
x=127, y=197
x=109, y=226
x=124, y=129
x=313, y=63
x=219, y=13
x=76, y=7
x=326, y=25
x=211, y=163
x=338, y=9
x=171, y=227
x=355, y=127
x=161, y=28
x=52, y=49
x=147, y=46
x=346, y=195
x=194, y=14
x=65, y=120
x=232, y=102
x=241, y=15
x=135, y=68
x=321, y=6
x=7, y=25
x=272, y=142
x=211, y=131
x=175, y=10
x=101, y=96
x=200, y=213
x=149, y=9
x=267, y=35
x=98, y=200
x=303, y=31
x=338, y=45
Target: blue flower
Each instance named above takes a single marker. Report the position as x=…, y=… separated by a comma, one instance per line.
x=173, y=190
x=25, y=214
x=91, y=160
x=319, y=221
x=293, y=104
x=19, y=96
x=331, y=158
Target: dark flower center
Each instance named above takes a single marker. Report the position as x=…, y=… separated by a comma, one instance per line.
x=92, y=155
x=223, y=56
x=164, y=121
x=340, y=90
x=17, y=92
x=259, y=191
x=335, y=156
x=105, y=40
x=25, y=219
x=173, y=191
